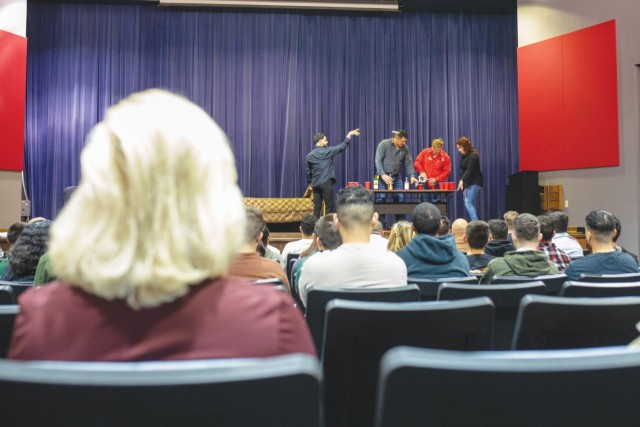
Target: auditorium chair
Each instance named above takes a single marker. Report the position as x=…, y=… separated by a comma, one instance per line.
x=596, y=290
x=8, y=315
x=610, y=278
x=358, y=333
x=319, y=297
x=291, y=259
x=7, y=297
x=18, y=287
x=506, y=299
x=553, y=282
x=429, y=287
x=272, y=282
x=278, y=391
x=584, y=387
x=546, y=323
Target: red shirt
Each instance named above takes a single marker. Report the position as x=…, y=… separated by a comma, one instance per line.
x=437, y=167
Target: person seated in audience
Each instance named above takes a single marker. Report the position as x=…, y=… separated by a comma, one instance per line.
x=143, y=246
x=445, y=226
x=562, y=239
x=25, y=254
x=459, y=229
x=249, y=265
x=555, y=254
x=477, y=236
x=604, y=259
x=615, y=241
x=13, y=233
x=526, y=260
x=306, y=229
x=376, y=237
x=269, y=252
x=499, y=244
x=429, y=256
x=326, y=238
x=400, y=235
x=509, y=217
x=355, y=263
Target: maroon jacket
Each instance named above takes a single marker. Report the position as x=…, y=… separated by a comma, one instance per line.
x=223, y=318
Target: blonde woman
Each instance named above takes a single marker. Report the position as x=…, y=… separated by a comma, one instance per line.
x=142, y=248
x=400, y=235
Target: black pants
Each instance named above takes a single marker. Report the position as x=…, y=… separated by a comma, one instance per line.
x=323, y=192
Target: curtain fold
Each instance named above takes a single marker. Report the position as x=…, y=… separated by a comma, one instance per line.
x=272, y=80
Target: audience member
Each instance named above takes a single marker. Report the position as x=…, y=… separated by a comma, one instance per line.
x=459, y=229
x=445, y=226
x=509, y=218
x=306, y=229
x=429, y=256
x=13, y=233
x=249, y=265
x=141, y=261
x=326, y=238
x=615, y=241
x=604, y=259
x=25, y=254
x=269, y=252
x=499, y=244
x=526, y=260
x=477, y=236
x=562, y=239
x=356, y=263
x=400, y=235
x=376, y=237
x=555, y=254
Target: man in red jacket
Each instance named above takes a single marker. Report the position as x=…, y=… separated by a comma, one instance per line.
x=433, y=166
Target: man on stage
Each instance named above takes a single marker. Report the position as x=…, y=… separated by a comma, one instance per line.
x=433, y=166
x=320, y=173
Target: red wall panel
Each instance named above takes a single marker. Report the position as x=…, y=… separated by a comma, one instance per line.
x=568, y=101
x=13, y=75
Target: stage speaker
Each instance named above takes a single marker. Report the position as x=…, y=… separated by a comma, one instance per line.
x=523, y=199
x=527, y=178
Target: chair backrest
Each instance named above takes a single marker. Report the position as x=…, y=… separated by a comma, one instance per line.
x=7, y=297
x=319, y=297
x=8, y=315
x=596, y=290
x=610, y=278
x=291, y=259
x=18, y=287
x=277, y=391
x=546, y=322
x=530, y=388
x=506, y=299
x=359, y=333
x=552, y=281
x=429, y=287
x=272, y=282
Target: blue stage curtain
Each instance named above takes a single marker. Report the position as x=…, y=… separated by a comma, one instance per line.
x=272, y=80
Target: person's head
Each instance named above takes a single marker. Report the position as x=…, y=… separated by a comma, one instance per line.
x=498, y=229
x=354, y=210
x=618, y=229
x=509, y=218
x=158, y=207
x=320, y=140
x=14, y=232
x=560, y=221
x=426, y=219
x=253, y=226
x=67, y=193
x=327, y=233
x=307, y=224
x=265, y=235
x=28, y=249
x=400, y=138
x=377, y=227
x=601, y=227
x=526, y=230
x=459, y=227
x=445, y=226
x=546, y=227
x=477, y=234
x=400, y=235
x=465, y=146
x=436, y=146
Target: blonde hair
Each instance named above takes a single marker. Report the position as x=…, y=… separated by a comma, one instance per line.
x=438, y=142
x=400, y=235
x=158, y=207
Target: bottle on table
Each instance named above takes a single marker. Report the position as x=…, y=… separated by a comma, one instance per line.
x=376, y=180
x=406, y=183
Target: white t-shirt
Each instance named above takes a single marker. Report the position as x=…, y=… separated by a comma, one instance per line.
x=296, y=247
x=352, y=265
x=379, y=241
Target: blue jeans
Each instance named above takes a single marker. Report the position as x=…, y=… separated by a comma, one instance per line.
x=470, y=193
x=398, y=184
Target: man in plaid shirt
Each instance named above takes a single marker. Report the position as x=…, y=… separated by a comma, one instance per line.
x=555, y=254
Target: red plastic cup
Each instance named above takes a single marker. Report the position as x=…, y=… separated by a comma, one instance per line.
x=443, y=185
x=419, y=186
x=367, y=185
x=451, y=186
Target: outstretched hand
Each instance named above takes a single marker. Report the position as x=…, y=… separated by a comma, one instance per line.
x=355, y=132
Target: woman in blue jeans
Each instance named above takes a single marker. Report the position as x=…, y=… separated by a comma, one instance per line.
x=472, y=180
